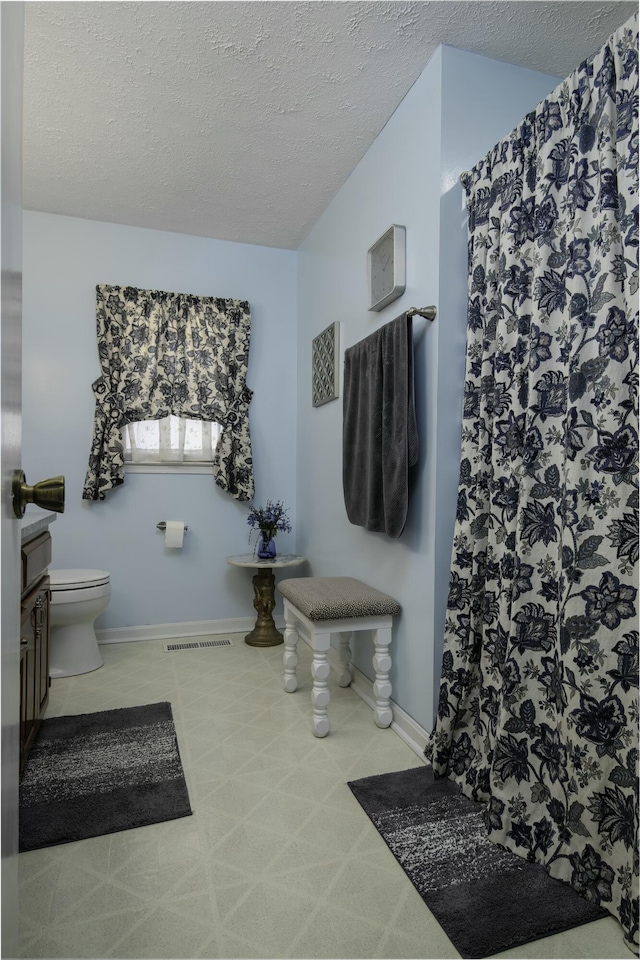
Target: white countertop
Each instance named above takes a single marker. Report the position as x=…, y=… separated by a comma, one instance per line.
x=250, y=560
x=34, y=522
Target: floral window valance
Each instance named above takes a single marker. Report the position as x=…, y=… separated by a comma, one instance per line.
x=171, y=353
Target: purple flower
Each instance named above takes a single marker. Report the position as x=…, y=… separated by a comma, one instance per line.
x=270, y=519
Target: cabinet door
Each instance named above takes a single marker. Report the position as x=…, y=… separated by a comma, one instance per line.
x=24, y=706
x=34, y=664
x=36, y=557
x=29, y=675
x=42, y=647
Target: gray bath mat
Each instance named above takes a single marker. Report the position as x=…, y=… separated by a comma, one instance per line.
x=98, y=773
x=485, y=898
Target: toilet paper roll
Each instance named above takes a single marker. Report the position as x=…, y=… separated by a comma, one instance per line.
x=174, y=534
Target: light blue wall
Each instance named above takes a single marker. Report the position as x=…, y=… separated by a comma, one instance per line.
x=64, y=259
x=459, y=107
x=397, y=181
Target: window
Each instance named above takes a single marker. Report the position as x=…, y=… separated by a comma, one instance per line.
x=172, y=441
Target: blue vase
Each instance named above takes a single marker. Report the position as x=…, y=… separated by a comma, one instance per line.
x=266, y=548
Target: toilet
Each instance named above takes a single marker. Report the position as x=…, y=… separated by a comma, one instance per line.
x=78, y=597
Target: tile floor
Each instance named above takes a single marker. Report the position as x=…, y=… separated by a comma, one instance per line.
x=278, y=859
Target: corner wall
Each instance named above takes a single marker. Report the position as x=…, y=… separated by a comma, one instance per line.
x=458, y=108
x=397, y=181
x=64, y=259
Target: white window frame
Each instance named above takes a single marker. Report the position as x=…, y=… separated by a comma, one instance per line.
x=167, y=466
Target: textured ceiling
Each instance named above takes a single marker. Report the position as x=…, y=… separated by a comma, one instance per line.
x=242, y=120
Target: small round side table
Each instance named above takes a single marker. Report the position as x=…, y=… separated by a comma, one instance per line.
x=264, y=634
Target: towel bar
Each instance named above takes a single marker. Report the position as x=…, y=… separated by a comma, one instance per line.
x=428, y=312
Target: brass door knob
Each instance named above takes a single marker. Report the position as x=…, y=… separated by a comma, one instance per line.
x=48, y=494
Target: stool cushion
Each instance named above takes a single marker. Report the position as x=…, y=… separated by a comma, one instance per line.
x=336, y=598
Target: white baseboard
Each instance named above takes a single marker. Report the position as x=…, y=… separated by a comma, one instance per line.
x=175, y=631
x=402, y=724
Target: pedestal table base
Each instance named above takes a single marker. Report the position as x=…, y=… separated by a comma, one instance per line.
x=264, y=633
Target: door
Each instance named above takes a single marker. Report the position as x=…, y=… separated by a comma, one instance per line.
x=11, y=67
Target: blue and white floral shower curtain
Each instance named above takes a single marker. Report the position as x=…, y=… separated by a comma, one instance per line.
x=538, y=710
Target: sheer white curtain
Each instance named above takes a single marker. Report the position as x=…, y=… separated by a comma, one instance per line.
x=170, y=440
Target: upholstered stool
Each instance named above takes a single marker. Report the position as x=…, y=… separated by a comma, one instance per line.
x=316, y=607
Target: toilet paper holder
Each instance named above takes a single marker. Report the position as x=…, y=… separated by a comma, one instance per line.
x=163, y=526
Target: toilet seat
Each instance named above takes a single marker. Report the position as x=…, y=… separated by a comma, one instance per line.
x=77, y=579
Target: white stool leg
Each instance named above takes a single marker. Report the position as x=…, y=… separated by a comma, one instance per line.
x=320, y=693
x=290, y=656
x=344, y=656
x=382, y=685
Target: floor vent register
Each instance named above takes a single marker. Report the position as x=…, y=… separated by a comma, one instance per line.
x=198, y=645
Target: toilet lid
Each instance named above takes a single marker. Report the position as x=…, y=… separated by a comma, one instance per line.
x=76, y=579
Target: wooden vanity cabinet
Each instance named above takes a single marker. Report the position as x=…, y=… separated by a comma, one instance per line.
x=34, y=639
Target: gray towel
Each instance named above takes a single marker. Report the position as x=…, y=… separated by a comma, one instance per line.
x=379, y=437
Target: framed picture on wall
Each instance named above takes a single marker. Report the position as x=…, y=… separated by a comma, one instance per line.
x=325, y=373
